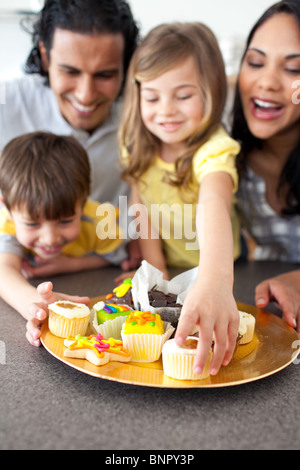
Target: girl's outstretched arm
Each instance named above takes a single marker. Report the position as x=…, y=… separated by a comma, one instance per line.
x=210, y=304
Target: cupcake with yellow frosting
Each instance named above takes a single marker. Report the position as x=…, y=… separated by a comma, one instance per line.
x=68, y=318
x=144, y=334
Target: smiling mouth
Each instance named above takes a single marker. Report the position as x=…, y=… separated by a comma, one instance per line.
x=83, y=109
x=266, y=109
x=170, y=126
x=50, y=250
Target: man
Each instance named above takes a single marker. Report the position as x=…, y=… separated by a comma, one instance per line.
x=76, y=71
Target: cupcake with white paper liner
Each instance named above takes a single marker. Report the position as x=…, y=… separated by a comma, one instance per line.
x=247, y=327
x=178, y=361
x=107, y=319
x=144, y=334
x=68, y=318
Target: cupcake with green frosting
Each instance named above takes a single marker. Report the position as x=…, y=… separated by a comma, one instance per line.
x=108, y=318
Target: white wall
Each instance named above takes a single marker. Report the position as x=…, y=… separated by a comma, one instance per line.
x=231, y=20
x=225, y=17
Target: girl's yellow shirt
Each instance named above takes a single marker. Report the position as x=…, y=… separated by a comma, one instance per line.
x=173, y=210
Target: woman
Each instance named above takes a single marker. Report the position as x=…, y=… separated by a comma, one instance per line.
x=267, y=124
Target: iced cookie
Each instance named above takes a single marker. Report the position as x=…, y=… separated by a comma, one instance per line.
x=96, y=349
x=122, y=294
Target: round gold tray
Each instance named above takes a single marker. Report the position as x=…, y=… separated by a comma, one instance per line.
x=274, y=347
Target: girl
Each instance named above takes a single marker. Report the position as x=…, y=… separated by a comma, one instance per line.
x=267, y=123
x=177, y=156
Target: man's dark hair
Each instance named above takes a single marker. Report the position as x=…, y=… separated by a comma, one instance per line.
x=86, y=17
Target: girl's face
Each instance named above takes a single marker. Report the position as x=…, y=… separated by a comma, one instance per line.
x=172, y=105
x=46, y=238
x=268, y=78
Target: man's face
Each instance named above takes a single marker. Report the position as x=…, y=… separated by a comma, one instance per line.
x=85, y=74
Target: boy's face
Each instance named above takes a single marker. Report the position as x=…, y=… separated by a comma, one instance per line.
x=46, y=238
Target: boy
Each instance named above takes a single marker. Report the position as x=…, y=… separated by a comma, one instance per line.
x=47, y=218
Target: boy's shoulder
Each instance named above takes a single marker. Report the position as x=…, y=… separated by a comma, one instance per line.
x=7, y=227
x=8, y=241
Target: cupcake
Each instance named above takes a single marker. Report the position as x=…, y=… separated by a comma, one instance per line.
x=178, y=361
x=108, y=319
x=144, y=334
x=68, y=318
x=247, y=327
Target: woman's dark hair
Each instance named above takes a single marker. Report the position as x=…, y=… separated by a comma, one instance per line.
x=290, y=175
x=86, y=17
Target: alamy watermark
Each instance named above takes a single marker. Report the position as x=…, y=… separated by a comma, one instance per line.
x=175, y=221
x=296, y=94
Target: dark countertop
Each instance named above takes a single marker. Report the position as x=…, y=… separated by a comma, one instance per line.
x=45, y=404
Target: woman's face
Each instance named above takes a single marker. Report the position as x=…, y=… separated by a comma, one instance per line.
x=270, y=77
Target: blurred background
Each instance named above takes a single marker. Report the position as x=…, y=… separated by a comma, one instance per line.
x=230, y=20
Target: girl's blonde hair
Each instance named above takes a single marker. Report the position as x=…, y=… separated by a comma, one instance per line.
x=163, y=48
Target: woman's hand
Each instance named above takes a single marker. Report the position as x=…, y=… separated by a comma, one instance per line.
x=285, y=290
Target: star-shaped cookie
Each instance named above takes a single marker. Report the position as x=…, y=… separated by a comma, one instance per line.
x=96, y=349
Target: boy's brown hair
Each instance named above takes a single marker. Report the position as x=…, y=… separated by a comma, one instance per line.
x=44, y=174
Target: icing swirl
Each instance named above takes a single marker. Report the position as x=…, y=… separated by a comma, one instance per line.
x=98, y=344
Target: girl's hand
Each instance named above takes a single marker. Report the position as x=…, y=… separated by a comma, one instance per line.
x=285, y=290
x=38, y=311
x=213, y=310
